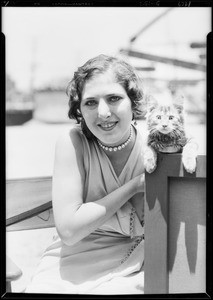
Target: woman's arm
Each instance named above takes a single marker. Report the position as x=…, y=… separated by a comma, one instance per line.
x=74, y=219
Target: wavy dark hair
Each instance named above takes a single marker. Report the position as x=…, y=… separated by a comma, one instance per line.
x=124, y=75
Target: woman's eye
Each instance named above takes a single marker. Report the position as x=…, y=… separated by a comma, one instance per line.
x=158, y=117
x=90, y=103
x=171, y=117
x=114, y=98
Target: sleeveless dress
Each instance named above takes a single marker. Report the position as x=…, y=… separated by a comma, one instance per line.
x=109, y=260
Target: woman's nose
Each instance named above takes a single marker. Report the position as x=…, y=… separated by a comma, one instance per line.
x=103, y=109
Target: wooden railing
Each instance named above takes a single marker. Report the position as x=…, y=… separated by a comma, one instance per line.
x=175, y=211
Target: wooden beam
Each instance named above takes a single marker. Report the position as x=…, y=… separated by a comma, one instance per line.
x=202, y=56
x=199, y=45
x=41, y=220
x=145, y=69
x=165, y=60
x=147, y=26
x=27, y=197
x=175, y=81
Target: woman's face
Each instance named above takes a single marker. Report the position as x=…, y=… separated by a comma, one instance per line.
x=106, y=109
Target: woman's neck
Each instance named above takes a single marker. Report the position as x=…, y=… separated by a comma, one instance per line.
x=118, y=159
x=117, y=147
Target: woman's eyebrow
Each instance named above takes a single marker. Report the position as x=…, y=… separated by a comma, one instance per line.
x=88, y=98
x=115, y=94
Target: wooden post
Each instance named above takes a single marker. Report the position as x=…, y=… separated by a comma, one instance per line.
x=175, y=227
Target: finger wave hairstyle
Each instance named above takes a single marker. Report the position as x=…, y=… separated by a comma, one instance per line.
x=124, y=75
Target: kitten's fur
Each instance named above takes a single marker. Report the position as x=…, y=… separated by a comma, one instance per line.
x=166, y=133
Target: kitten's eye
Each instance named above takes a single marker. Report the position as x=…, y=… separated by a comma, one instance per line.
x=171, y=117
x=158, y=117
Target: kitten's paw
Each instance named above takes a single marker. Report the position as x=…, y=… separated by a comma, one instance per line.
x=150, y=166
x=189, y=163
x=150, y=161
x=189, y=156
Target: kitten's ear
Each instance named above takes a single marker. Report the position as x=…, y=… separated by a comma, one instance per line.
x=151, y=103
x=179, y=103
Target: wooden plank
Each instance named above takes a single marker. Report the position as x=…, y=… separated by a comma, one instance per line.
x=38, y=221
x=27, y=197
x=157, y=217
x=165, y=60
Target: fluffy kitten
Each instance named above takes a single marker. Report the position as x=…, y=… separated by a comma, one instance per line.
x=166, y=133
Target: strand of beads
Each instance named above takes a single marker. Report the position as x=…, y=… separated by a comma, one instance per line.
x=120, y=147
x=132, y=218
x=136, y=243
x=131, y=230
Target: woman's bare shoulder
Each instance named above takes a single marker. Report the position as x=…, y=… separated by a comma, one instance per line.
x=69, y=141
x=68, y=135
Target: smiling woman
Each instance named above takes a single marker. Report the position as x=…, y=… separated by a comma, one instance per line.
x=98, y=188
x=109, y=115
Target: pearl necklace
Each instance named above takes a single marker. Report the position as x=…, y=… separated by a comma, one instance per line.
x=120, y=147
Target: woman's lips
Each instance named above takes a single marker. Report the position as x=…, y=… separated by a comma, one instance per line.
x=107, y=126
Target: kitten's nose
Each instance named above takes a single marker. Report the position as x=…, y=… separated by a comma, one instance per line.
x=164, y=125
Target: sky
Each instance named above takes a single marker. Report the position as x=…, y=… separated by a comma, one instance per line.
x=44, y=45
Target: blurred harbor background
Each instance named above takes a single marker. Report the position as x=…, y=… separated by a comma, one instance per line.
x=44, y=46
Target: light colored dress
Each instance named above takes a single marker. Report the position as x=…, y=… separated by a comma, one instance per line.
x=109, y=260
